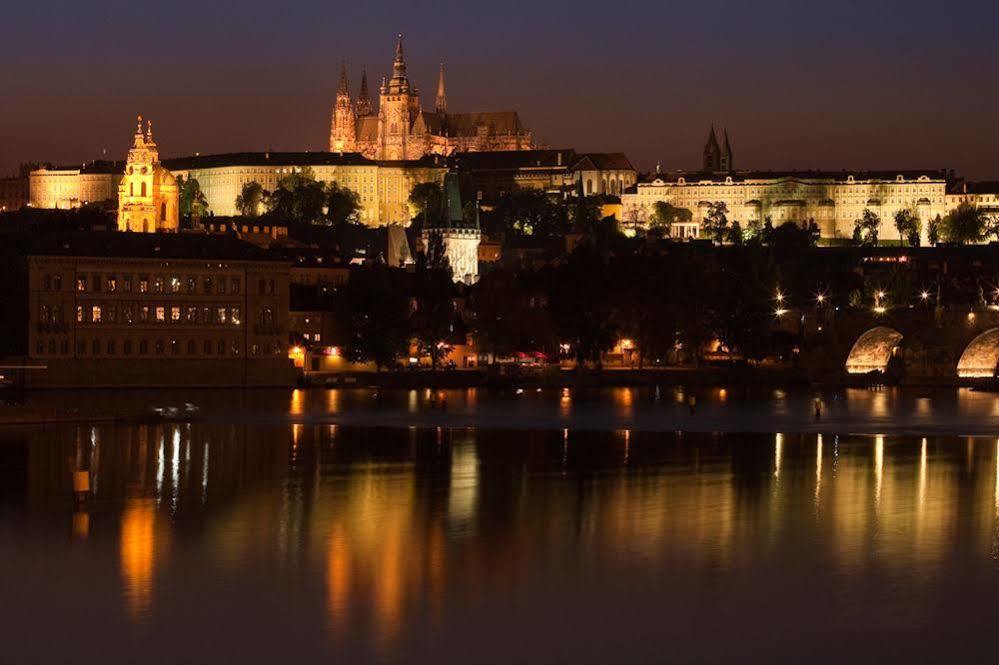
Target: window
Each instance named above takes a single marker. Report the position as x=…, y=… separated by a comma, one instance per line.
x=143, y=347
x=208, y=348
x=175, y=285
x=52, y=347
x=79, y=313
x=221, y=347
x=97, y=282
x=127, y=347
x=160, y=347
x=126, y=284
x=235, y=347
x=64, y=347
x=235, y=316
x=206, y=315
x=95, y=347
x=81, y=283
x=235, y=285
x=112, y=314
x=81, y=348
x=95, y=313
x=47, y=282
x=112, y=284
x=43, y=313
x=317, y=338
x=57, y=282
x=192, y=285
x=174, y=347
x=175, y=314
x=207, y=285
x=160, y=314
x=143, y=285
x=143, y=188
x=220, y=314
x=158, y=285
x=191, y=348
x=192, y=315
x=126, y=313
x=112, y=347
x=40, y=348
x=222, y=285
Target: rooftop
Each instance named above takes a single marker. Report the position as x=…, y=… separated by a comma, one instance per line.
x=115, y=244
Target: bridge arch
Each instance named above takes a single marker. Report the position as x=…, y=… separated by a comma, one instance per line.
x=981, y=357
x=873, y=350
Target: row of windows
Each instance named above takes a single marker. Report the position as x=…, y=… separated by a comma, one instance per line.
x=132, y=313
x=111, y=283
x=157, y=347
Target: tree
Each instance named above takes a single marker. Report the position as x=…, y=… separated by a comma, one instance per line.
x=933, y=230
x=433, y=320
x=426, y=198
x=907, y=225
x=342, y=205
x=865, y=229
x=251, y=199
x=378, y=309
x=192, y=201
x=581, y=302
x=499, y=304
x=665, y=215
x=531, y=212
x=965, y=224
x=716, y=221
x=734, y=234
x=298, y=199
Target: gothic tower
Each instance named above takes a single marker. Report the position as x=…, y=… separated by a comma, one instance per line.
x=726, y=156
x=712, y=153
x=148, y=196
x=441, y=105
x=460, y=238
x=399, y=103
x=343, y=129
x=363, y=98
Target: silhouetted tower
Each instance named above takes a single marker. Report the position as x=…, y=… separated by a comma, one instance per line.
x=712, y=153
x=364, y=98
x=343, y=130
x=441, y=104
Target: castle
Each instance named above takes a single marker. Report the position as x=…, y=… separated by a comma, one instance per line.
x=401, y=130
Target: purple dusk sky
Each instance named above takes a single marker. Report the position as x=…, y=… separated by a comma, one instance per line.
x=844, y=84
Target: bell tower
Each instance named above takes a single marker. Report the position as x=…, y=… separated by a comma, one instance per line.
x=343, y=129
x=399, y=102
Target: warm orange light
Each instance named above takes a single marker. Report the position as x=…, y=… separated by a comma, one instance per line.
x=297, y=355
x=627, y=344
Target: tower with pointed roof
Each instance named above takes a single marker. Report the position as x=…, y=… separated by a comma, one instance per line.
x=343, y=136
x=148, y=196
x=441, y=103
x=712, y=153
x=398, y=107
x=726, y=162
x=364, y=98
x=460, y=237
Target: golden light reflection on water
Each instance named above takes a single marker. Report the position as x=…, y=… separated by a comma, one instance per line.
x=138, y=553
x=396, y=522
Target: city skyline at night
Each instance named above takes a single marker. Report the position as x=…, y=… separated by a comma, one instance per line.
x=846, y=86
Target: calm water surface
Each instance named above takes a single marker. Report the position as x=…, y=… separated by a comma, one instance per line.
x=255, y=540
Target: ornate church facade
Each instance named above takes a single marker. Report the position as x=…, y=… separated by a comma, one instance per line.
x=400, y=129
x=148, y=196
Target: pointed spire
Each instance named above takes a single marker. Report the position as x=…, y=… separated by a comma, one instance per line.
x=140, y=137
x=712, y=138
x=344, y=87
x=399, y=66
x=441, y=104
x=364, y=98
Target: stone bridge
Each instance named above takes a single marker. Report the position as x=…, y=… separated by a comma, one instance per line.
x=907, y=344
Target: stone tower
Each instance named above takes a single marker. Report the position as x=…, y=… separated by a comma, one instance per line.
x=364, y=98
x=399, y=104
x=460, y=238
x=712, y=153
x=148, y=197
x=343, y=136
x=441, y=104
x=726, y=156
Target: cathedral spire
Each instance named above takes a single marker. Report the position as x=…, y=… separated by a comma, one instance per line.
x=363, y=97
x=344, y=87
x=399, y=65
x=441, y=105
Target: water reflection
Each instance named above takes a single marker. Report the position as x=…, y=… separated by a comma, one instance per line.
x=376, y=535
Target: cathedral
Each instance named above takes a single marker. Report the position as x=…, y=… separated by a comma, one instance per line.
x=148, y=195
x=717, y=158
x=400, y=129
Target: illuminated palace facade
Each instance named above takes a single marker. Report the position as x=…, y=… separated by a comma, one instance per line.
x=833, y=199
x=400, y=129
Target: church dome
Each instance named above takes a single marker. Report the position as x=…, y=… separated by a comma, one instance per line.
x=163, y=177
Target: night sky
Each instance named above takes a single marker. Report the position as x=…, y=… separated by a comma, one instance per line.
x=840, y=84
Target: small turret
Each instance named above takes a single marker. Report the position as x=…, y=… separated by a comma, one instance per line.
x=441, y=104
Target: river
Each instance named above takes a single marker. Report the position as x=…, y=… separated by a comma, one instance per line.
x=348, y=526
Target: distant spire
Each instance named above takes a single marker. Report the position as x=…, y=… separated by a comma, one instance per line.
x=399, y=66
x=441, y=94
x=149, y=134
x=140, y=137
x=364, y=98
x=344, y=87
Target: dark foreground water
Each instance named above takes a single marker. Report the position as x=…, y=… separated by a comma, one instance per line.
x=275, y=542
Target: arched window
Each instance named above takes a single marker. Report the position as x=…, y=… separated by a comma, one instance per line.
x=143, y=189
x=589, y=186
x=131, y=189
x=163, y=212
x=145, y=226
